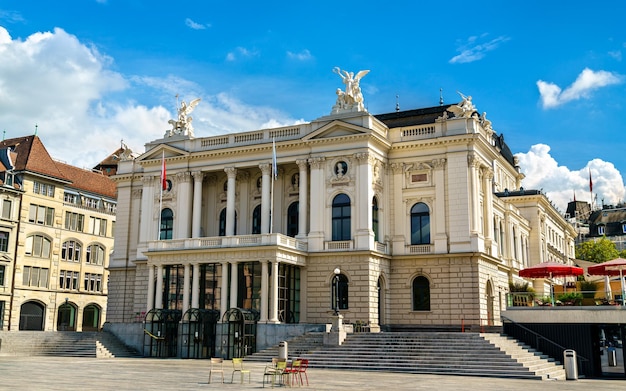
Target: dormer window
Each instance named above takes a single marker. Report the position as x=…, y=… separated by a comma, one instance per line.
x=600, y=229
x=623, y=227
x=8, y=179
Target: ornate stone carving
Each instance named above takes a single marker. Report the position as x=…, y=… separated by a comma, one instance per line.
x=351, y=99
x=182, y=125
x=464, y=109
x=316, y=162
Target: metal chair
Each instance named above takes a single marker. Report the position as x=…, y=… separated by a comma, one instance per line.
x=274, y=370
x=238, y=367
x=217, y=366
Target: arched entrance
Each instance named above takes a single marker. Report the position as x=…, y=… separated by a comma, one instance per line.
x=91, y=318
x=161, y=333
x=198, y=330
x=490, y=298
x=241, y=335
x=31, y=316
x=66, y=317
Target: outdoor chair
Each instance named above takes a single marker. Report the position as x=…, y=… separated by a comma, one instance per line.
x=238, y=367
x=292, y=371
x=217, y=366
x=304, y=364
x=275, y=370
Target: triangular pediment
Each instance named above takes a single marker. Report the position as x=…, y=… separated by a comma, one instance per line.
x=159, y=151
x=337, y=128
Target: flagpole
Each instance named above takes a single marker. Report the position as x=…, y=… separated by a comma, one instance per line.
x=591, y=190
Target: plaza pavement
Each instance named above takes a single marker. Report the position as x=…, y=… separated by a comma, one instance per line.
x=58, y=373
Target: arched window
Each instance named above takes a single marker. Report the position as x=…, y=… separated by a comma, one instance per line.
x=293, y=219
x=167, y=224
x=37, y=246
x=420, y=224
x=256, y=220
x=222, y=231
x=421, y=294
x=375, y=218
x=70, y=251
x=339, y=289
x=94, y=254
x=341, y=217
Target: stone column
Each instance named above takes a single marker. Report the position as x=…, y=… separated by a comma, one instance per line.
x=441, y=237
x=318, y=205
x=195, y=286
x=158, y=302
x=150, y=301
x=398, y=211
x=266, y=170
x=234, y=280
x=224, y=290
x=488, y=210
x=473, y=164
x=186, y=284
x=362, y=204
x=303, y=192
x=182, y=222
x=230, y=201
x=146, y=229
x=274, y=293
x=264, y=291
x=197, y=204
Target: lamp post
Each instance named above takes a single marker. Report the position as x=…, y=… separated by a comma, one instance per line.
x=336, y=282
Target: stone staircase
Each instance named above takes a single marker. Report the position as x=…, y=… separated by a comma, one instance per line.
x=443, y=353
x=64, y=344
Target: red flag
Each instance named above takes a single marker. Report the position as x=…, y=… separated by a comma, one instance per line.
x=590, y=182
x=163, y=174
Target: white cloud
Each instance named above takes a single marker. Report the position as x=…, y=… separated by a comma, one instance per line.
x=616, y=54
x=11, y=16
x=472, y=51
x=241, y=52
x=586, y=82
x=196, y=26
x=560, y=183
x=67, y=88
x=302, y=56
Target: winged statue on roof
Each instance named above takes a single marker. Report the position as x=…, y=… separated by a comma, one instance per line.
x=465, y=108
x=351, y=99
x=183, y=125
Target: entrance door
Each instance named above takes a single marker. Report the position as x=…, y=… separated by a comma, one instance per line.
x=66, y=318
x=91, y=318
x=489, y=294
x=31, y=316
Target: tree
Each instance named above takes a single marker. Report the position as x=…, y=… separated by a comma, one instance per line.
x=598, y=251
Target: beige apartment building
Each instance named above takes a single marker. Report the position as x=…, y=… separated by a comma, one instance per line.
x=57, y=226
x=396, y=221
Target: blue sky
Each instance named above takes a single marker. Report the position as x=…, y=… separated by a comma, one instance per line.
x=552, y=78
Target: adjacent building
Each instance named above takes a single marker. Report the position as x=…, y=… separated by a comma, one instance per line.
x=399, y=220
x=56, y=237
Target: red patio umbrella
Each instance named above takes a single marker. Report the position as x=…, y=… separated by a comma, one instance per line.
x=549, y=270
x=613, y=267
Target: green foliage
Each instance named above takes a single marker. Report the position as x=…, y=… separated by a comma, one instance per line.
x=574, y=298
x=520, y=287
x=598, y=251
x=588, y=289
x=622, y=254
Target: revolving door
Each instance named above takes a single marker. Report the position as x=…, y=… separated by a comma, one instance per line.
x=198, y=330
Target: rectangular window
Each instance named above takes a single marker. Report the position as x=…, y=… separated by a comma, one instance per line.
x=74, y=221
x=2, y=275
x=70, y=198
x=601, y=230
x=93, y=282
x=2, y=315
x=4, y=241
x=68, y=280
x=6, y=209
x=97, y=226
x=41, y=215
x=43, y=189
x=91, y=203
x=35, y=276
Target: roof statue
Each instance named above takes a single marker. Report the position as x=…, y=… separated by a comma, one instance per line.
x=351, y=99
x=126, y=153
x=464, y=109
x=182, y=125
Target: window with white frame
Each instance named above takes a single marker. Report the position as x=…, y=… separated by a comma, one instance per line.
x=68, y=280
x=70, y=198
x=4, y=241
x=93, y=282
x=94, y=254
x=91, y=203
x=70, y=251
x=6, y=209
x=74, y=221
x=97, y=226
x=40, y=214
x=37, y=246
x=35, y=276
x=2, y=269
x=43, y=189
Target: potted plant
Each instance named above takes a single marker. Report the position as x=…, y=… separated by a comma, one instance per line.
x=522, y=293
x=570, y=298
x=588, y=290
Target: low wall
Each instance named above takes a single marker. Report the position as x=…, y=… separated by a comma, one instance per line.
x=129, y=333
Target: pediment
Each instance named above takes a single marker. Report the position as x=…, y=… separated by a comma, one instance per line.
x=159, y=151
x=337, y=128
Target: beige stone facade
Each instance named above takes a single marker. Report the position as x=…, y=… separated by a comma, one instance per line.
x=420, y=210
x=60, y=252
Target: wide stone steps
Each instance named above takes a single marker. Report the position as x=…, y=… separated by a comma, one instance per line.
x=450, y=353
x=64, y=344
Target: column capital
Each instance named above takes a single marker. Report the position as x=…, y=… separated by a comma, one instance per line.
x=316, y=162
x=231, y=172
x=198, y=176
x=302, y=164
x=266, y=168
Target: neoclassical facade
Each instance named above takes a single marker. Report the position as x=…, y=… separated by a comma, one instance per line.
x=416, y=210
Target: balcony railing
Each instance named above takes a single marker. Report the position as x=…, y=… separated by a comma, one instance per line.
x=562, y=299
x=419, y=249
x=228, y=241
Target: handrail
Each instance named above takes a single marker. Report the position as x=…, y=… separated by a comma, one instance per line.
x=539, y=336
x=153, y=336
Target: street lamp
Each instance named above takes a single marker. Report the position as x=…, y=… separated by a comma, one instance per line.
x=336, y=282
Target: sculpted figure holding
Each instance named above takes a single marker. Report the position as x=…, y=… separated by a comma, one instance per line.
x=183, y=124
x=465, y=108
x=352, y=97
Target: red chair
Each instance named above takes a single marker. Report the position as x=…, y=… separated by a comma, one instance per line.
x=304, y=364
x=292, y=371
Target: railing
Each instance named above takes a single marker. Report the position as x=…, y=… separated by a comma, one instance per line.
x=536, y=340
x=340, y=245
x=419, y=249
x=254, y=137
x=568, y=298
x=228, y=241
